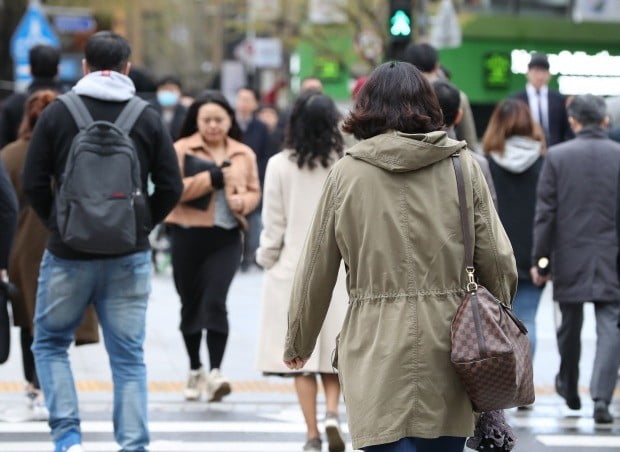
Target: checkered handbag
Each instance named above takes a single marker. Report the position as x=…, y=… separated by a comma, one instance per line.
x=490, y=348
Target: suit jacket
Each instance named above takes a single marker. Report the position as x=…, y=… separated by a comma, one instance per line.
x=575, y=220
x=256, y=136
x=559, y=128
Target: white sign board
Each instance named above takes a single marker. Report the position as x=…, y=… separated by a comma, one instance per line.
x=596, y=11
x=267, y=53
x=327, y=11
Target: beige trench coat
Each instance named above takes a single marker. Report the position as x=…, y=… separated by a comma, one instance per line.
x=390, y=211
x=289, y=200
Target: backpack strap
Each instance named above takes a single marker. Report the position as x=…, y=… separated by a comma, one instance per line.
x=78, y=110
x=130, y=114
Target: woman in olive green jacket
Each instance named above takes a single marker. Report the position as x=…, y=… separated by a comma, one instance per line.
x=389, y=209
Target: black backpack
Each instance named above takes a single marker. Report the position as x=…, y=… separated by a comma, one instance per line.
x=99, y=202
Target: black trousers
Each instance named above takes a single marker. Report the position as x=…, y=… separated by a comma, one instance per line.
x=204, y=262
x=607, y=357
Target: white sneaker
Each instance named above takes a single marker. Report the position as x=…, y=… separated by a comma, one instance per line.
x=335, y=442
x=76, y=448
x=196, y=383
x=36, y=406
x=217, y=386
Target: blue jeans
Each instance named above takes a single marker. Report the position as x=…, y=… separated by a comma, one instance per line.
x=525, y=307
x=119, y=289
x=443, y=444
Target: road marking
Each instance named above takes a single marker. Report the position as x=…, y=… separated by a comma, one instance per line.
x=170, y=446
x=171, y=427
x=580, y=441
x=581, y=423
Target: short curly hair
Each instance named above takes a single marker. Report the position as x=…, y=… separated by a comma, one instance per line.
x=396, y=96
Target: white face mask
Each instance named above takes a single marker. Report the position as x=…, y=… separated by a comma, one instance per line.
x=167, y=98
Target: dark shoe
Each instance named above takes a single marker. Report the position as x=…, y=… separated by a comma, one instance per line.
x=335, y=442
x=601, y=413
x=313, y=445
x=573, y=402
x=526, y=408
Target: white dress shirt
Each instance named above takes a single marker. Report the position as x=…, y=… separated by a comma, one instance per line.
x=534, y=99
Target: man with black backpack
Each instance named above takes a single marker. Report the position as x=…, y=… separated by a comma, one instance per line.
x=86, y=173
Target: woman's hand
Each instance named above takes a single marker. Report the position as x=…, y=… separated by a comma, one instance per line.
x=235, y=202
x=296, y=363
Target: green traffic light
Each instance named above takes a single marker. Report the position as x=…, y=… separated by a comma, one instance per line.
x=401, y=24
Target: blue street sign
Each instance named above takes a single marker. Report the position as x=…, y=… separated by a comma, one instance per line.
x=33, y=29
x=74, y=24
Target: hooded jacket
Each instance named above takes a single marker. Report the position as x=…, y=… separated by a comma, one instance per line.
x=389, y=210
x=105, y=95
x=515, y=175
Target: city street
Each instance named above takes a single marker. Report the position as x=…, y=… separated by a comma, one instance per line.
x=262, y=413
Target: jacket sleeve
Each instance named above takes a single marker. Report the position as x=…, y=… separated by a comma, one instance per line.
x=166, y=177
x=39, y=167
x=546, y=208
x=251, y=197
x=315, y=277
x=274, y=219
x=466, y=129
x=486, y=171
x=494, y=259
x=8, y=216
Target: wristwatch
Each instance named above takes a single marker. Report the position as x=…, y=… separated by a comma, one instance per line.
x=543, y=266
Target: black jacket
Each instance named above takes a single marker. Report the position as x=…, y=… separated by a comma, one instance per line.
x=516, y=199
x=256, y=136
x=12, y=110
x=8, y=216
x=48, y=149
x=559, y=128
x=575, y=223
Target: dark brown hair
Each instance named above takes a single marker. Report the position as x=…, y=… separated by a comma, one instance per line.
x=312, y=132
x=511, y=117
x=32, y=110
x=396, y=96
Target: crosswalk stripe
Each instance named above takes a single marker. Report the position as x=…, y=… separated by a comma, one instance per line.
x=580, y=423
x=168, y=446
x=170, y=427
x=580, y=441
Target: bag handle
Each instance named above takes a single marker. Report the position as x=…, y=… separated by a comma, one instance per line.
x=467, y=242
x=78, y=110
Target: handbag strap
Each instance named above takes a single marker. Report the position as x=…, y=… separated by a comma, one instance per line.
x=467, y=242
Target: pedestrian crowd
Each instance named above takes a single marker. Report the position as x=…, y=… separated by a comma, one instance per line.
x=354, y=219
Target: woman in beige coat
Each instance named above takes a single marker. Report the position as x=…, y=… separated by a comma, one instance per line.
x=293, y=185
x=390, y=211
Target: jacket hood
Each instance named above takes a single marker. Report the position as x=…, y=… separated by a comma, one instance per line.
x=402, y=152
x=520, y=153
x=106, y=85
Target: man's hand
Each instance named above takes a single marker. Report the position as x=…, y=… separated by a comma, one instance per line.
x=3, y=275
x=296, y=363
x=537, y=279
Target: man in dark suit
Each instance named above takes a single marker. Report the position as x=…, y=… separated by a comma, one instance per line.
x=256, y=136
x=548, y=106
x=575, y=232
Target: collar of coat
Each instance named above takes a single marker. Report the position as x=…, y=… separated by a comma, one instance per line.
x=402, y=152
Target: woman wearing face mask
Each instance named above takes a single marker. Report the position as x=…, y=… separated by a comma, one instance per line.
x=169, y=105
x=221, y=187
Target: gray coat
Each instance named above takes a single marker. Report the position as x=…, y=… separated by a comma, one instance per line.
x=575, y=222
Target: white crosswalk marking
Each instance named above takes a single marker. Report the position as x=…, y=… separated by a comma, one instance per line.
x=251, y=427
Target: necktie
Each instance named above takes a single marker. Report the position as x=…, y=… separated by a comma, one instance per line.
x=541, y=119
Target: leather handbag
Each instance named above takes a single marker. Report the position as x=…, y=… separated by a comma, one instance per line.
x=490, y=348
